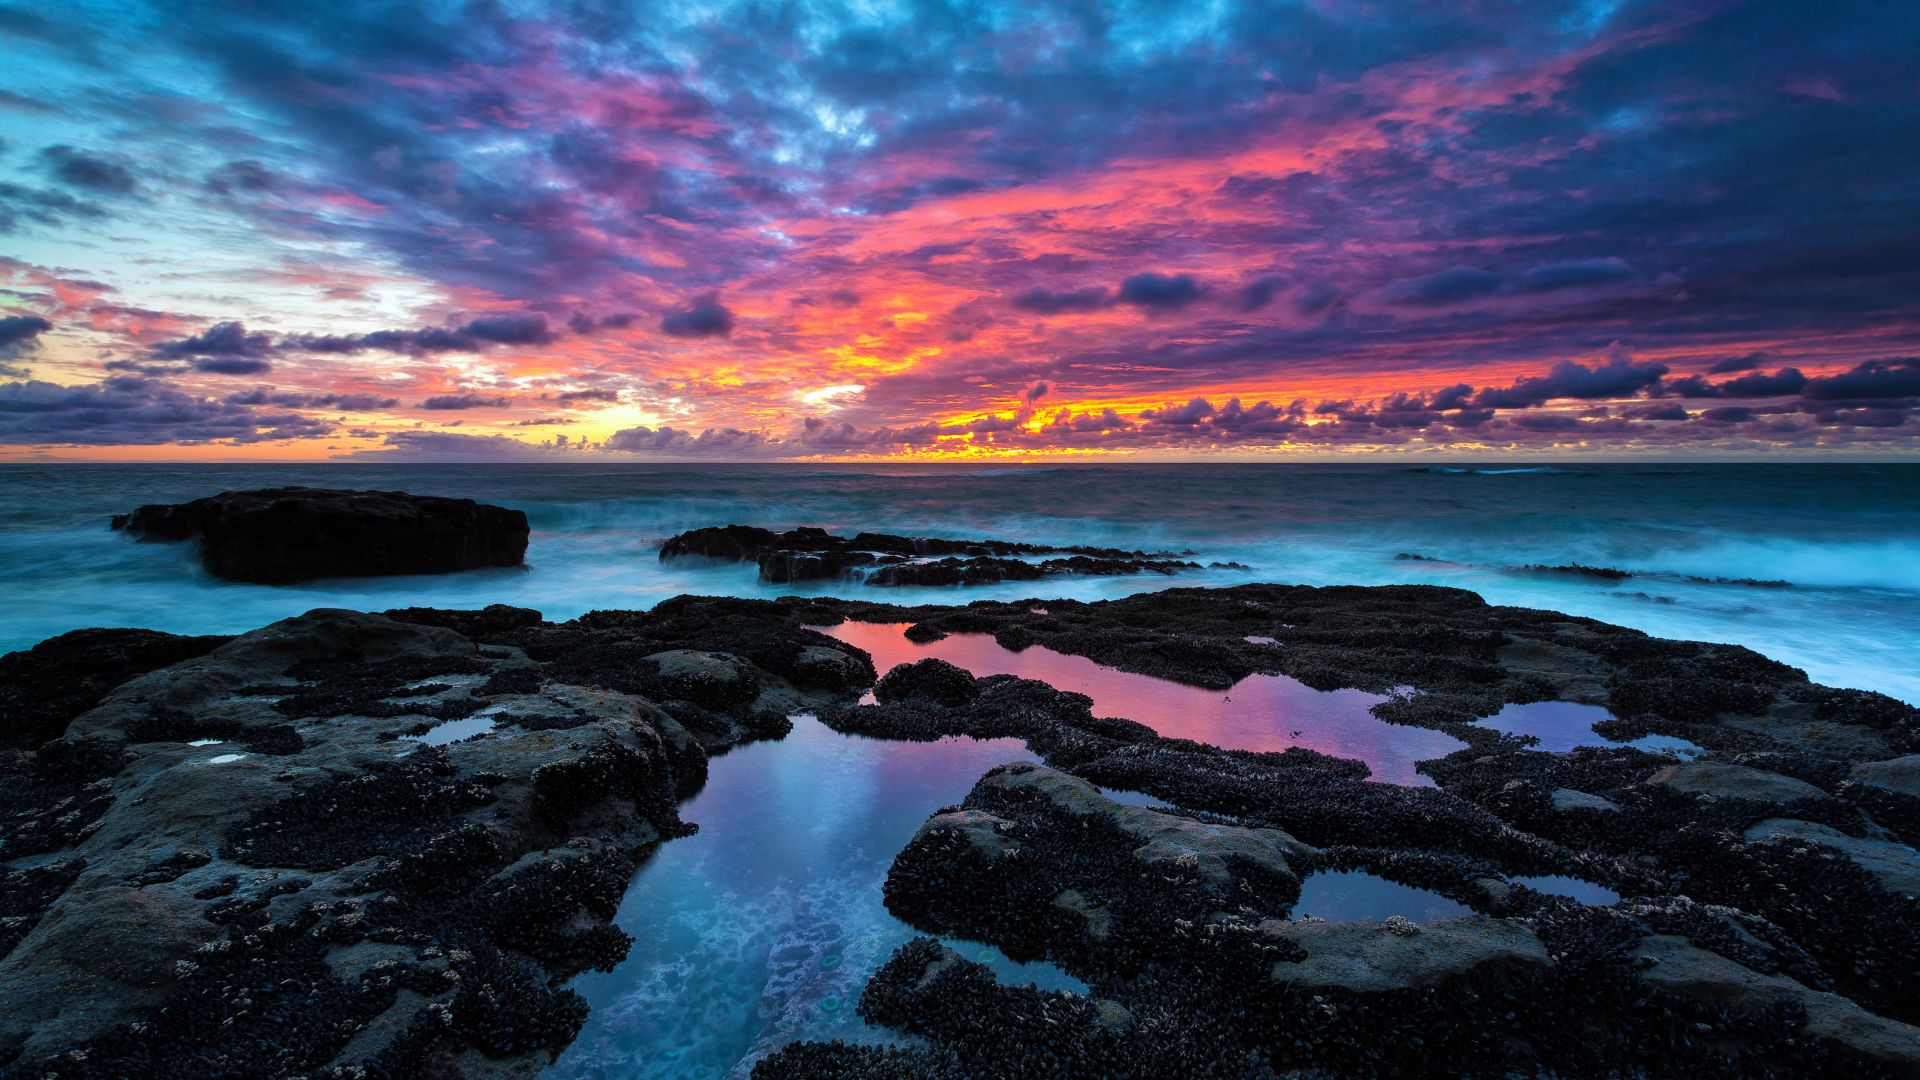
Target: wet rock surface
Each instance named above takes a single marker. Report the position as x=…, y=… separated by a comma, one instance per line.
x=250, y=864
x=276, y=536
x=810, y=554
x=338, y=894
x=1772, y=861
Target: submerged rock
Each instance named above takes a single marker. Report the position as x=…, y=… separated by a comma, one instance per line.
x=276, y=536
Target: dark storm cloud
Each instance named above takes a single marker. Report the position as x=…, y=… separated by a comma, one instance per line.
x=705, y=317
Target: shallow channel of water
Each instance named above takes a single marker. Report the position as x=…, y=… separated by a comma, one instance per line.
x=763, y=927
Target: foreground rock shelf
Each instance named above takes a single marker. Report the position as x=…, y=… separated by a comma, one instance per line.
x=239, y=856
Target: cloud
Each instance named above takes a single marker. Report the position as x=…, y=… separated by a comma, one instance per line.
x=291, y=400
x=1050, y=302
x=128, y=411
x=1735, y=363
x=19, y=333
x=21, y=205
x=1161, y=292
x=240, y=178
x=667, y=440
x=1786, y=381
x=227, y=339
x=91, y=172
x=1575, y=273
x=1869, y=380
x=603, y=393
x=1180, y=415
x=1619, y=377
x=1451, y=286
x=705, y=317
x=1258, y=293
x=232, y=365
x=451, y=402
x=474, y=335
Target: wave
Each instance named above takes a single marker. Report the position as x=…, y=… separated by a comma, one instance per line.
x=1464, y=470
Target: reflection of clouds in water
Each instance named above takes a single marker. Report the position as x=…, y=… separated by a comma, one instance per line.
x=763, y=927
x=1566, y=725
x=1260, y=712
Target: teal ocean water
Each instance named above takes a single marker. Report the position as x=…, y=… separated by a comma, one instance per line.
x=1846, y=539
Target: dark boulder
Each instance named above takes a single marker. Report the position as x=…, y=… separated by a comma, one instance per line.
x=931, y=678
x=275, y=536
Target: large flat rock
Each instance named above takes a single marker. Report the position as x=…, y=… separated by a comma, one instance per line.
x=277, y=536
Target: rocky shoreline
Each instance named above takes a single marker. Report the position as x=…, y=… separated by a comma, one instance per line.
x=883, y=559
x=347, y=894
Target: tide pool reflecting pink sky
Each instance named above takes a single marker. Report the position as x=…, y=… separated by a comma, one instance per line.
x=1260, y=712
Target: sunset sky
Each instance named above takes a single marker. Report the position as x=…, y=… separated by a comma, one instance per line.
x=557, y=231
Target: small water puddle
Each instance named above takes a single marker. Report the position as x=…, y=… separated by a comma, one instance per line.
x=1346, y=895
x=1565, y=725
x=1134, y=798
x=1573, y=888
x=764, y=927
x=452, y=731
x=1260, y=712
x=224, y=759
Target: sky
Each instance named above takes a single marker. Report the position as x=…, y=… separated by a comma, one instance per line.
x=561, y=231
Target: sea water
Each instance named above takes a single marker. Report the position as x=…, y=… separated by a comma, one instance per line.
x=1845, y=537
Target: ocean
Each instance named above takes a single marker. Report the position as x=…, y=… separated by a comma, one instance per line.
x=1845, y=540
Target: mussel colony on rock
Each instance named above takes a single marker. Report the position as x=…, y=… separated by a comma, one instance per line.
x=347, y=901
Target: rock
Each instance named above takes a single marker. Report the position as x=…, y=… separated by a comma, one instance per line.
x=1216, y=852
x=931, y=679
x=1895, y=866
x=277, y=536
x=1365, y=957
x=1567, y=800
x=882, y=559
x=1673, y=964
x=44, y=687
x=315, y=892
x=1724, y=781
x=1900, y=775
